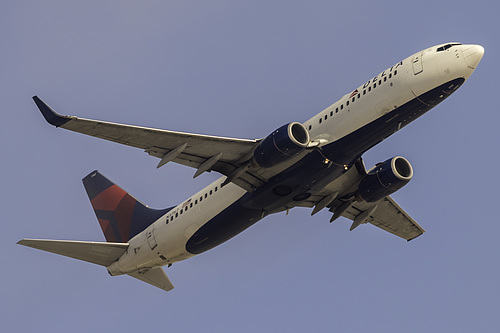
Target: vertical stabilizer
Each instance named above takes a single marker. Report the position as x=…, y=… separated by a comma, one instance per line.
x=120, y=215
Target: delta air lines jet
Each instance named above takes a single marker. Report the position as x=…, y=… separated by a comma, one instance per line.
x=316, y=164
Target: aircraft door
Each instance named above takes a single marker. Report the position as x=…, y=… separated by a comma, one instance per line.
x=417, y=63
x=150, y=235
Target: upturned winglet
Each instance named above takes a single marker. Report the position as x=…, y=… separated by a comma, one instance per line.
x=49, y=114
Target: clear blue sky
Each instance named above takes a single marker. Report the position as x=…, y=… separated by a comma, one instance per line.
x=243, y=68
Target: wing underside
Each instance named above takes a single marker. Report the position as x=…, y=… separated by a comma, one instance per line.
x=388, y=216
x=341, y=201
x=204, y=152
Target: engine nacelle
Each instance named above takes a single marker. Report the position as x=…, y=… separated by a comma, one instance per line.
x=385, y=178
x=284, y=143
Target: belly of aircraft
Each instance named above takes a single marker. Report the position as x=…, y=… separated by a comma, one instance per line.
x=227, y=224
x=311, y=174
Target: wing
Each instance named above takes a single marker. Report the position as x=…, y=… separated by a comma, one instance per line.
x=229, y=156
x=387, y=215
x=339, y=197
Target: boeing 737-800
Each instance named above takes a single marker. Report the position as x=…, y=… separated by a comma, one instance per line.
x=316, y=164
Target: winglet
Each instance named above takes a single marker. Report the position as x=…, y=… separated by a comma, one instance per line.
x=50, y=115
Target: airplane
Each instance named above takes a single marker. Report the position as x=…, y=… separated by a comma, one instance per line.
x=316, y=164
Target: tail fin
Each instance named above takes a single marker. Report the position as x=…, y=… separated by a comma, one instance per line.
x=120, y=215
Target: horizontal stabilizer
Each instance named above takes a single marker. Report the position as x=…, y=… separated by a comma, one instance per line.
x=99, y=253
x=155, y=277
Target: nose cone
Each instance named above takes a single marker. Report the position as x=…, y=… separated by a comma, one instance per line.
x=472, y=55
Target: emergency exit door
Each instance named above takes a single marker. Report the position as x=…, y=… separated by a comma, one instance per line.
x=417, y=63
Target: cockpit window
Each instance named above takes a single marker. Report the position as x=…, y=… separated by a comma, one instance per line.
x=446, y=47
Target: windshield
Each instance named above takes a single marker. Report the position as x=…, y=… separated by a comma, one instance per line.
x=446, y=47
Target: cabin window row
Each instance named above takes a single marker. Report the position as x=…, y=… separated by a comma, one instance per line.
x=190, y=205
x=353, y=99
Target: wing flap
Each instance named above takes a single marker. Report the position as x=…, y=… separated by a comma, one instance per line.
x=100, y=253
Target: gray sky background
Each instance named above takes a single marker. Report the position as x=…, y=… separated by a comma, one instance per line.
x=242, y=69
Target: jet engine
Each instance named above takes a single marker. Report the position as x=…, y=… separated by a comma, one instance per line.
x=385, y=178
x=284, y=143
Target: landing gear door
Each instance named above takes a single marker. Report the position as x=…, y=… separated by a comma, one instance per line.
x=417, y=63
x=151, y=238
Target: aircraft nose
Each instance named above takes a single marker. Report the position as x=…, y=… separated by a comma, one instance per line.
x=472, y=54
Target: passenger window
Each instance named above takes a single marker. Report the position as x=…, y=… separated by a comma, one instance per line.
x=331, y=113
x=336, y=110
x=210, y=192
x=310, y=127
x=320, y=120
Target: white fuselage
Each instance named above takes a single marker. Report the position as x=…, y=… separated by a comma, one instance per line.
x=164, y=242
